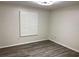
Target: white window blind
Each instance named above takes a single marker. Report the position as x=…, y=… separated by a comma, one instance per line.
x=28, y=23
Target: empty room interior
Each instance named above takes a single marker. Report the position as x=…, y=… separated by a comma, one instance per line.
x=39, y=28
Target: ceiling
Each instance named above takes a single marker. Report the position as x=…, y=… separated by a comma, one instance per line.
x=58, y=4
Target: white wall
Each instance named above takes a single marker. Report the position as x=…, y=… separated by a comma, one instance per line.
x=64, y=27
x=9, y=23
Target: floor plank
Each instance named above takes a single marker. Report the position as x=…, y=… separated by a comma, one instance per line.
x=38, y=49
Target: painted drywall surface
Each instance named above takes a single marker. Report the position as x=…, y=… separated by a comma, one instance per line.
x=64, y=27
x=0, y=30
x=9, y=18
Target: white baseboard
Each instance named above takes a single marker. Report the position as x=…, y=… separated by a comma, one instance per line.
x=64, y=45
x=21, y=43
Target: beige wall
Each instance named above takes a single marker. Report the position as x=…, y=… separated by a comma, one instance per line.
x=9, y=23
x=64, y=27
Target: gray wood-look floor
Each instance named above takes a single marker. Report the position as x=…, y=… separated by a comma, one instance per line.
x=38, y=49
